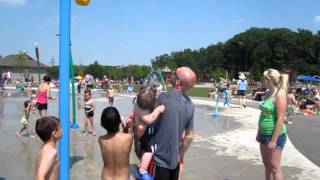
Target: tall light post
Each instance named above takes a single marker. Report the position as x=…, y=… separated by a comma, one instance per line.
x=38, y=61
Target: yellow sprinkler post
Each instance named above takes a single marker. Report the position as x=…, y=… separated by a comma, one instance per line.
x=83, y=2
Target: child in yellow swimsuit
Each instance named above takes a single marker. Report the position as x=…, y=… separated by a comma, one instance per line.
x=25, y=119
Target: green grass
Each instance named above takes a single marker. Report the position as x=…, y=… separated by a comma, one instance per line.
x=198, y=92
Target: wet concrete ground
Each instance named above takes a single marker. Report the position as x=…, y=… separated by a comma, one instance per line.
x=204, y=159
x=305, y=133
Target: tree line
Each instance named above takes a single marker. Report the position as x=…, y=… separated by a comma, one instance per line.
x=252, y=51
x=97, y=70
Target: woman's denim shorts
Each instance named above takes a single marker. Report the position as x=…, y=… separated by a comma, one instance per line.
x=265, y=139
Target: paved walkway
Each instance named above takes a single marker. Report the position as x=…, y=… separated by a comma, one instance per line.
x=304, y=134
x=239, y=144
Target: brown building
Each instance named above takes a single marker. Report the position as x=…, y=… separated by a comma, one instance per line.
x=22, y=66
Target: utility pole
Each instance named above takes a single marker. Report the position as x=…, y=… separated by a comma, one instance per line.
x=38, y=60
x=52, y=61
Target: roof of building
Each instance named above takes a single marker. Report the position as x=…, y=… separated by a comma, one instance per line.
x=13, y=61
x=166, y=69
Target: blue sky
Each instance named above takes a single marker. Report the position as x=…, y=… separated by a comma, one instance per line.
x=117, y=32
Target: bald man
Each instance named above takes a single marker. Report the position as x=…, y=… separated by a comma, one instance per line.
x=168, y=129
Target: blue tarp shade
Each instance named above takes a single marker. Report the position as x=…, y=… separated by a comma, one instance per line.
x=307, y=78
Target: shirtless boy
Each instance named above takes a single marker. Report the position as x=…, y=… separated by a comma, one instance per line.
x=115, y=147
x=47, y=164
x=110, y=95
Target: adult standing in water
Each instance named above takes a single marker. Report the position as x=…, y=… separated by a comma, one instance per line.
x=43, y=95
x=178, y=117
x=272, y=131
x=242, y=86
x=110, y=95
x=26, y=75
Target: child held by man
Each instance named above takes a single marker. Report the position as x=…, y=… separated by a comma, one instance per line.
x=144, y=115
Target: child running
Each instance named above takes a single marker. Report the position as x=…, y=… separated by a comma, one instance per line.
x=25, y=119
x=145, y=114
x=47, y=164
x=89, y=107
x=227, y=96
x=115, y=147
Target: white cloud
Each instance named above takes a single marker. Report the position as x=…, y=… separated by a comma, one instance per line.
x=13, y=2
x=317, y=19
x=240, y=21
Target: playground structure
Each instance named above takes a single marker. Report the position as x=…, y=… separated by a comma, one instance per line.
x=215, y=115
x=154, y=77
x=64, y=96
x=74, y=124
x=219, y=94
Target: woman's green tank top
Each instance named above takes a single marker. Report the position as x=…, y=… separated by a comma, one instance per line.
x=268, y=118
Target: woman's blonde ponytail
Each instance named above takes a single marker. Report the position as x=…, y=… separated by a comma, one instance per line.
x=283, y=82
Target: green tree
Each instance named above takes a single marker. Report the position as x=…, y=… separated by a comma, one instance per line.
x=53, y=72
x=254, y=51
x=95, y=69
x=22, y=59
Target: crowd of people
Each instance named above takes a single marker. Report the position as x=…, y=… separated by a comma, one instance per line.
x=89, y=82
x=302, y=100
x=160, y=126
x=23, y=83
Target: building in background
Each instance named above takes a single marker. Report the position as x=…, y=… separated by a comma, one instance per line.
x=22, y=65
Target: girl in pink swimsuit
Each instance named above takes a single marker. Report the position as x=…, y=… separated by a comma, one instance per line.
x=43, y=95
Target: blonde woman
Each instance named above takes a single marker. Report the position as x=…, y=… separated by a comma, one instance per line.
x=272, y=133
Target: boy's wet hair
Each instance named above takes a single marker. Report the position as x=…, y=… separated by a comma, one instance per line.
x=87, y=91
x=26, y=103
x=146, y=98
x=45, y=126
x=47, y=78
x=110, y=119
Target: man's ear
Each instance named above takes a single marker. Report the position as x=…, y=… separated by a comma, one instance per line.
x=54, y=134
x=178, y=82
